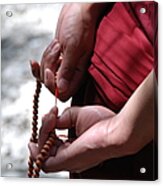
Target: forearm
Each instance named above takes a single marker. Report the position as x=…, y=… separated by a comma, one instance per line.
x=133, y=127
x=137, y=116
x=139, y=113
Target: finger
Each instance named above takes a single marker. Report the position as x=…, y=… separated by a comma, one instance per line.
x=77, y=80
x=52, y=151
x=57, y=144
x=33, y=148
x=59, y=161
x=67, y=69
x=34, y=151
x=68, y=119
x=50, y=46
x=50, y=58
x=35, y=68
x=48, y=125
x=49, y=80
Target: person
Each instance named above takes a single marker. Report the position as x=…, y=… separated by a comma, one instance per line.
x=104, y=55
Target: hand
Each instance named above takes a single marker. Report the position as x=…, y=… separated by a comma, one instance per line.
x=89, y=149
x=101, y=135
x=45, y=72
x=48, y=126
x=76, y=35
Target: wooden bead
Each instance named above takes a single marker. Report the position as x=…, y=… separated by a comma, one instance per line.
x=35, y=166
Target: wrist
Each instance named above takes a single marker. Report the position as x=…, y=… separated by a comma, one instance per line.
x=122, y=137
x=117, y=138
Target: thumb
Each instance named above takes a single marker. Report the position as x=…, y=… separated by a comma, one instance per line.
x=35, y=68
x=68, y=119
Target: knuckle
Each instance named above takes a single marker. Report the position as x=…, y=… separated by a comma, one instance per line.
x=51, y=57
x=52, y=54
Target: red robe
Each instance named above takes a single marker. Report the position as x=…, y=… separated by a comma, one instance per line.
x=124, y=54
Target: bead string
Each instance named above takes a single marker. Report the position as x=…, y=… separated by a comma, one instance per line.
x=34, y=167
x=56, y=96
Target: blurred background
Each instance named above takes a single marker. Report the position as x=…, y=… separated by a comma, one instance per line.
x=26, y=30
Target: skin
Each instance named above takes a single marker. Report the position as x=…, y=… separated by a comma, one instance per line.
x=76, y=30
x=101, y=134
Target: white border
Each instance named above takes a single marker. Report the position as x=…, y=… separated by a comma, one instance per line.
x=57, y=1
x=49, y=182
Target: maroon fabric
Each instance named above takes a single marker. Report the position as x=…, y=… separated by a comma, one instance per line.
x=124, y=54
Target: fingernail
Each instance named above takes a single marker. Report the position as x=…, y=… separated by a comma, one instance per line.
x=57, y=47
x=62, y=85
